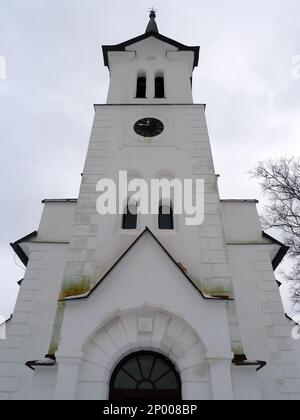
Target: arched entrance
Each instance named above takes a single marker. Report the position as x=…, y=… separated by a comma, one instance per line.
x=145, y=375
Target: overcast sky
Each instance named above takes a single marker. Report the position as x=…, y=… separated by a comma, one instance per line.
x=55, y=73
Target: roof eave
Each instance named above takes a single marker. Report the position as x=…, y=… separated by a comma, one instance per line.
x=18, y=249
x=121, y=47
x=283, y=250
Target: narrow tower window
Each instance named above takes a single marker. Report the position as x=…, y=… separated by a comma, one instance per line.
x=165, y=217
x=130, y=217
x=141, y=86
x=159, y=85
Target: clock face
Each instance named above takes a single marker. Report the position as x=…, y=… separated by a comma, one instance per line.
x=148, y=127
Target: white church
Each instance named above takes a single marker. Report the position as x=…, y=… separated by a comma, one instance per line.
x=143, y=306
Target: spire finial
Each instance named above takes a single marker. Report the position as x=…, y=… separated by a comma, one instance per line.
x=152, y=13
x=152, y=26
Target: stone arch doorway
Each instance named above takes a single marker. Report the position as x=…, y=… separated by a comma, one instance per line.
x=120, y=336
x=145, y=375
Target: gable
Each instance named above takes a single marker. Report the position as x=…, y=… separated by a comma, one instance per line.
x=123, y=46
x=150, y=46
x=145, y=279
x=163, y=253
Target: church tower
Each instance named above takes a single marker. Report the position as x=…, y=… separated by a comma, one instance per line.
x=145, y=306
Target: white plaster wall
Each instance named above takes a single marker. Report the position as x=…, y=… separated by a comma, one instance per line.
x=30, y=330
x=245, y=383
x=265, y=332
x=56, y=222
x=241, y=222
x=43, y=383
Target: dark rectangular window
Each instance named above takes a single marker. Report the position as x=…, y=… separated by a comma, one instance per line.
x=141, y=87
x=130, y=219
x=165, y=218
x=159, y=87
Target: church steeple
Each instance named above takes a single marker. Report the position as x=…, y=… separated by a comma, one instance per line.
x=150, y=69
x=152, y=26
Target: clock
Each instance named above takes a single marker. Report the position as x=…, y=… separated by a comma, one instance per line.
x=148, y=127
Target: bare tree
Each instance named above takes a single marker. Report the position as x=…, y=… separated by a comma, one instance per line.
x=280, y=180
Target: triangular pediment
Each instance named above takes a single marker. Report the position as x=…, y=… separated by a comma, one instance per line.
x=144, y=281
x=149, y=257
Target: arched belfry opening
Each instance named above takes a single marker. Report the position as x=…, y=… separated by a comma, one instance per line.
x=159, y=85
x=145, y=375
x=141, y=85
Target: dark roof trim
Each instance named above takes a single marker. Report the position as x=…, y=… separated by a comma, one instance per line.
x=241, y=360
x=251, y=200
x=49, y=361
x=19, y=251
x=60, y=200
x=291, y=319
x=214, y=298
x=27, y=237
x=20, y=282
x=8, y=319
x=121, y=47
x=280, y=254
x=152, y=104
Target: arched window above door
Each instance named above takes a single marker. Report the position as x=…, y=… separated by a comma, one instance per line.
x=145, y=375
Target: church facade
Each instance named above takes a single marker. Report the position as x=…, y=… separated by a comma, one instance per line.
x=144, y=306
